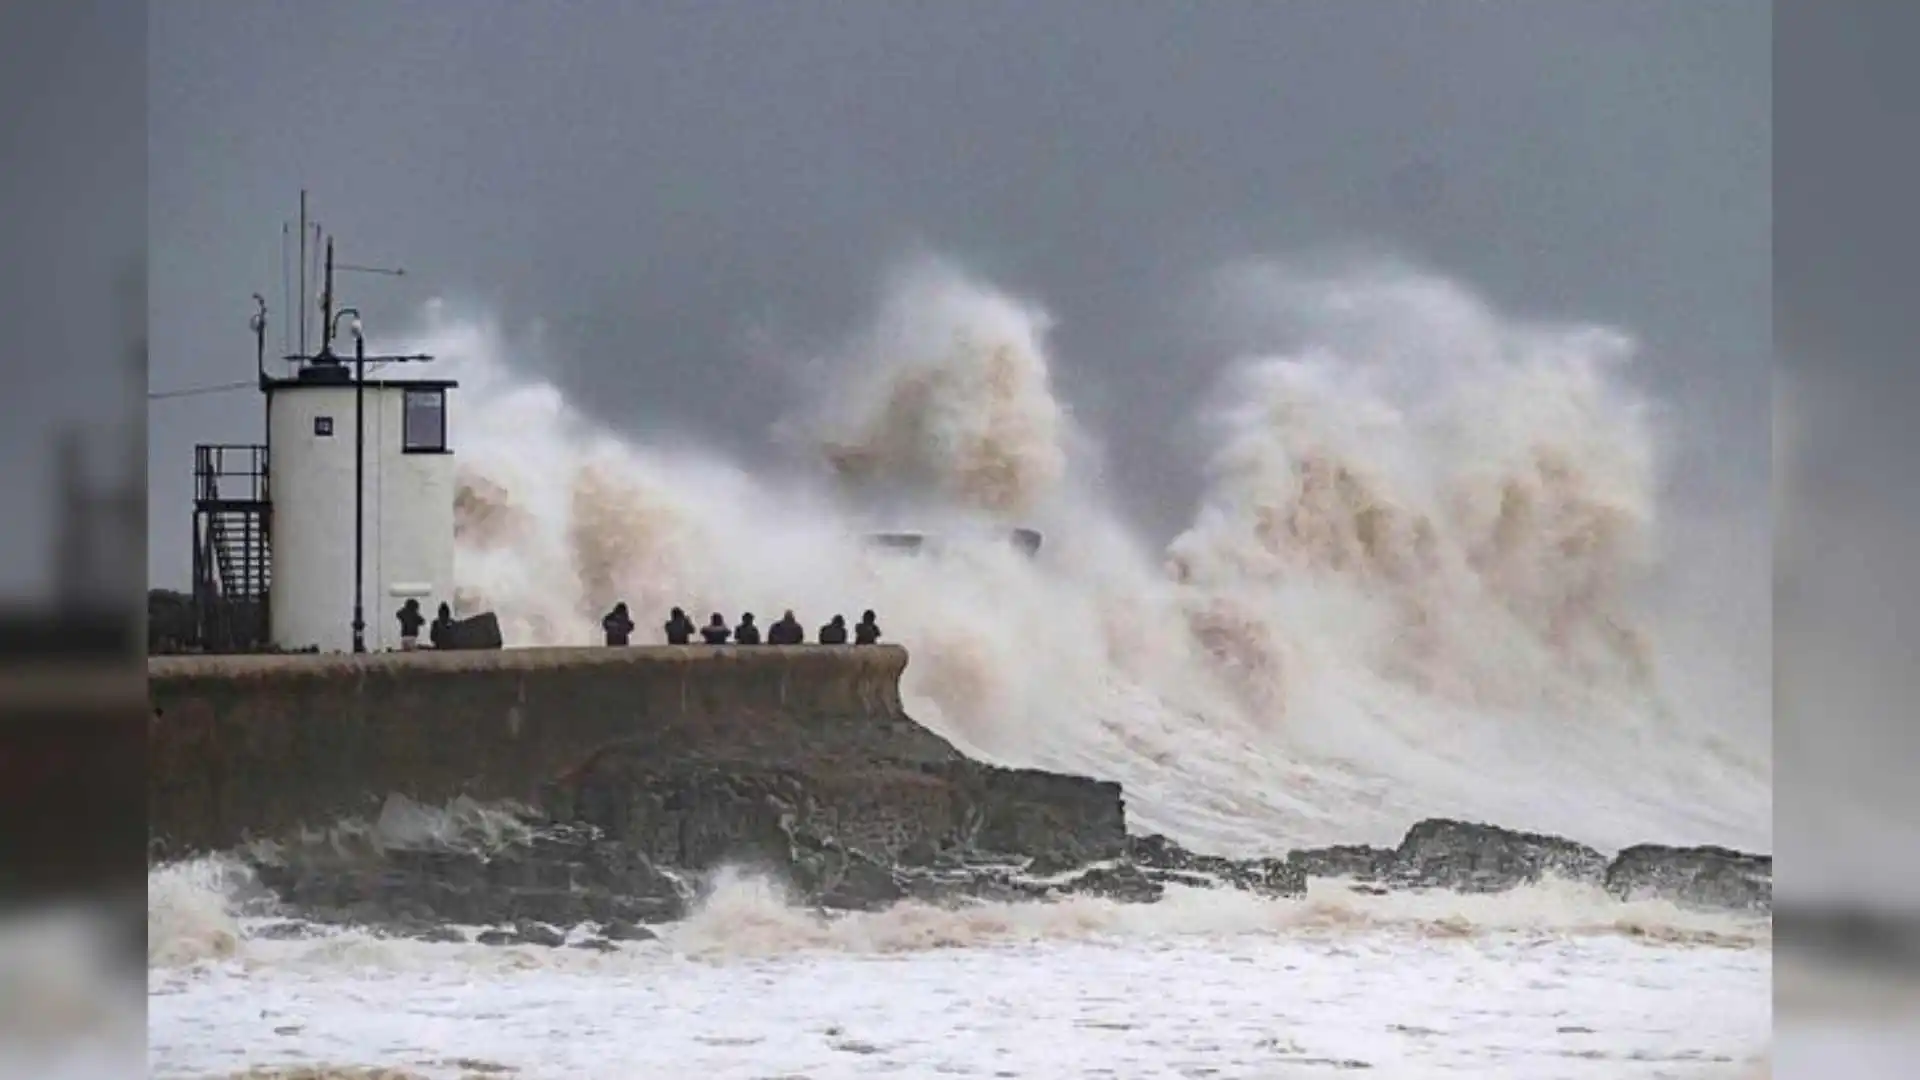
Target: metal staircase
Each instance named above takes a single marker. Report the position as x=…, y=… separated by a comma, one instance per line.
x=232, y=551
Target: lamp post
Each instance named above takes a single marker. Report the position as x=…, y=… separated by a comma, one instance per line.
x=359, y=479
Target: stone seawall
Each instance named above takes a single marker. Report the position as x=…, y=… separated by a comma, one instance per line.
x=260, y=746
x=643, y=769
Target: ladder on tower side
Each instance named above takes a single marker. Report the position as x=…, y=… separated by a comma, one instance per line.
x=232, y=547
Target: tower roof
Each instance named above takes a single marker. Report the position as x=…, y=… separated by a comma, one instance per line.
x=338, y=376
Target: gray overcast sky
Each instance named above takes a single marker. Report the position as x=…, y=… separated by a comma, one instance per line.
x=652, y=181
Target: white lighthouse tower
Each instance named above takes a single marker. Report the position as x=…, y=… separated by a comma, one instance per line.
x=316, y=538
x=329, y=434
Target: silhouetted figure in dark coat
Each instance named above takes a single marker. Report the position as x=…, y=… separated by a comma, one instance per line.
x=746, y=633
x=680, y=628
x=867, y=630
x=787, y=631
x=442, y=627
x=835, y=632
x=715, y=632
x=618, y=625
x=410, y=623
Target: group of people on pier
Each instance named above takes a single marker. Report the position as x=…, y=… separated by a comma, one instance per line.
x=618, y=625
x=680, y=630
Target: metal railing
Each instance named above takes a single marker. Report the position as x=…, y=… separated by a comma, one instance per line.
x=230, y=472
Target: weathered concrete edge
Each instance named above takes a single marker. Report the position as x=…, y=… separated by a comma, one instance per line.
x=885, y=659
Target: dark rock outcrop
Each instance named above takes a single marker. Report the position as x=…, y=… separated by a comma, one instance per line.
x=847, y=828
x=1463, y=856
x=534, y=933
x=1357, y=861
x=575, y=874
x=634, y=841
x=562, y=877
x=1170, y=864
x=620, y=930
x=1125, y=882
x=1440, y=853
x=1697, y=876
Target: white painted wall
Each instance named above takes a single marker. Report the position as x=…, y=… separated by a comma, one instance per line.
x=409, y=518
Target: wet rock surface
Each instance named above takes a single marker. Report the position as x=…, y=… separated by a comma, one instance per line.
x=701, y=812
x=550, y=876
x=559, y=876
x=1357, y=861
x=1699, y=876
x=1440, y=853
x=1470, y=857
x=1170, y=864
x=564, y=875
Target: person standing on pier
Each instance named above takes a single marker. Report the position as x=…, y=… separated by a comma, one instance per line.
x=680, y=628
x=715, y=632
x=410, y=623
x=867, y=630
x=787, y=631
x=618, y=625
x=746, y=633
x=835, y=632
x=440, y=634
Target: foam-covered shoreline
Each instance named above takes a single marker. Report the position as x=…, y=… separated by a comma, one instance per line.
x=1339, y=977
x=198, y=916
x=1447, y=879
x=217, y=952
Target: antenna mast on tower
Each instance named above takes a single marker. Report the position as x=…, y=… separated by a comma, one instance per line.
x=303, y=273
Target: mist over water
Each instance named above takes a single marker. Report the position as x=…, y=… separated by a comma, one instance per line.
x=1423, y=574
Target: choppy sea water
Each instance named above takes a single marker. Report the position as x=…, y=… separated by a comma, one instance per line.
x=1540, y=983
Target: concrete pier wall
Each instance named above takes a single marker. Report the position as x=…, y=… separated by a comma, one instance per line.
x=254, y=746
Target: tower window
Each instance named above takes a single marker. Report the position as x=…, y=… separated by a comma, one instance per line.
x=423, y=428
x=323, y=426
